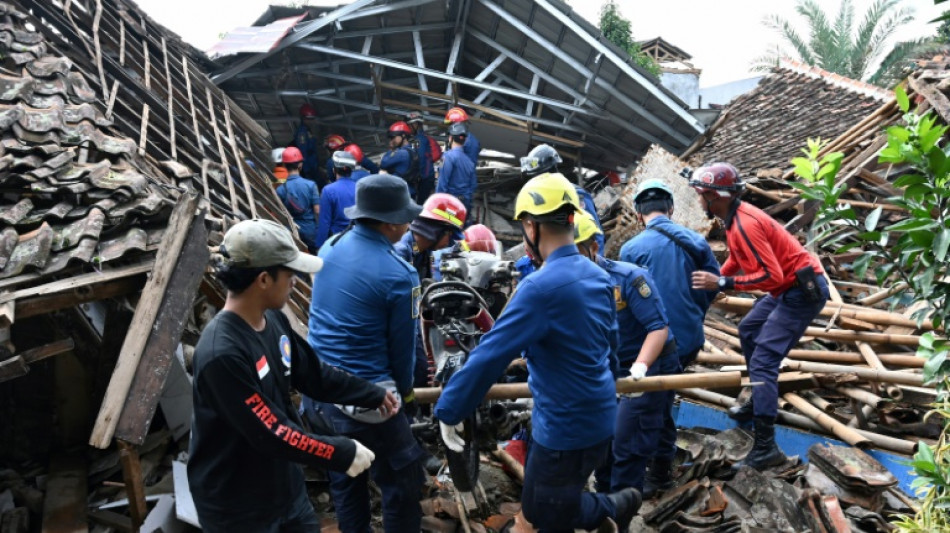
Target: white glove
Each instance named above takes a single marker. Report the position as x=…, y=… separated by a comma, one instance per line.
x=361, y=461
x=452, y=436
x=638, y=371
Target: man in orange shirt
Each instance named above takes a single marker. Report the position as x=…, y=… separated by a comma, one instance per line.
x=770, y=259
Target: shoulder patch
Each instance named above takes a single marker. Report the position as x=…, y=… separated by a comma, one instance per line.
x=643, y=288
x=416, y=300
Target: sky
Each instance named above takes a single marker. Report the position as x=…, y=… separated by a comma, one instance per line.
x=723, y=36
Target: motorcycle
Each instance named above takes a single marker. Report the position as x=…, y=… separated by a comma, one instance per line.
x=456, y=311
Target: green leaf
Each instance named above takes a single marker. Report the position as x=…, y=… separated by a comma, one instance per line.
x=932, y=366
x=870, y=223
x=897, y=135
x=902, y=101
x=804, y=168
x=927, y=340
x=848, y=247
x=911, y=224
x=941, y=244
x=924, y=239
x=910, y=179
x=860, y=265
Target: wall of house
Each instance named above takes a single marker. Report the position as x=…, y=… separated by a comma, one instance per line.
x=721, y=95
x=685, y=85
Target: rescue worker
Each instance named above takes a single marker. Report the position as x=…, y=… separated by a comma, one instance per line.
x=671, y=253
x=647, y=348
x=305, y=140
x=427, y=158
x=337, y=197
x=301, y=198
x=542, y=158
x=458, y=172
x=332, y=143
x=366, y=165
x=247, y=443
x=402, y=159
x=280, y=173
x=438, y=226
x=472, y=147
x=563, y=317
x=366, y=326
x=770, y=259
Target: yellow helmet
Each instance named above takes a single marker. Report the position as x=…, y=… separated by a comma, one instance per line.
x=585, y=227
x=545, y=194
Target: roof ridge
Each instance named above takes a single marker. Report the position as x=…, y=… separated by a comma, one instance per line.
x=837, y=80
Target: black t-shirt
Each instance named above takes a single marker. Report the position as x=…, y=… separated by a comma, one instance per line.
x=246, y=439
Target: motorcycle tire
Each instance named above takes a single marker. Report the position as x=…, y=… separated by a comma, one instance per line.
x=463, y=466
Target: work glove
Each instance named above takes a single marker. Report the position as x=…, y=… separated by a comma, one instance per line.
x=638, y=371
x=361, y=460
x=452, y=436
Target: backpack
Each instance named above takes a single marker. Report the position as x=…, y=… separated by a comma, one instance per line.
x=414, y=174
x=434, y=149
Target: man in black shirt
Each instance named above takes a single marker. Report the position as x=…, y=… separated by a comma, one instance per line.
x=247, y=442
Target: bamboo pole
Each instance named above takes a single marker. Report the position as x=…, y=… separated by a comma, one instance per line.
x=861, y=395
x=883, y=295
x=516, y=468
x=513, y=391
x=838, y=429
x=875, y=316
x=867, y=374
x=844, y=335
x=881, y=441
x=817, y=356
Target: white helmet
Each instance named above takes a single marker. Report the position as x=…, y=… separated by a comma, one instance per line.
x=276, y=154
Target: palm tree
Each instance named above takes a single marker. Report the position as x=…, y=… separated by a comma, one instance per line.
x=841, y=47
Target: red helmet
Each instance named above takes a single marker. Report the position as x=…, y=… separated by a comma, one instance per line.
x=456, y=114
x=334, y=142
x=355, y=151
x=722, y=178
x=399, y=128
x=444, y=207
x=308, y=111
x=291, y=155
x=479, y=238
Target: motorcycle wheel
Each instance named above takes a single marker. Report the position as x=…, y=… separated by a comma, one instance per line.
x=463, y=466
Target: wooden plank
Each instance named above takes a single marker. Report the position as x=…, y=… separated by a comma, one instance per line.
x=172, y=317
x=134, y=483
x=83, y=280
x=18, y=365
x=42, y=305
x=238, y=159
x=13, y=367
x=64, y=509
x=145, y=313
x=171, y=101
x=235, y=208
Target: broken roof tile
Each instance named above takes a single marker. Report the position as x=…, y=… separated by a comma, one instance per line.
x=77, y=113
x=8, y=240
x=20, y=58
x=112, y=180
x=30, y=137
x=88, y=227
x=41, y=120
x=133, y=239
x=14, y=88
x=46, y=101
x=15, y=213
x=49, y=66
x=81, y=252
x=31, y=251
x=57, y=212
x=79, y=87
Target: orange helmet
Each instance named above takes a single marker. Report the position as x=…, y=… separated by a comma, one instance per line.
x=399, y=128
x=456, y=114
x=479, y=238
x=446, y=208
x=334, y=142
x=291, y=155
x=308, y=111
x=355, y=151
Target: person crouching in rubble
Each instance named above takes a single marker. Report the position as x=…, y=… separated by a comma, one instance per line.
x=647, y=348
x=247, y=442
x=771, y=259
x=563, y=317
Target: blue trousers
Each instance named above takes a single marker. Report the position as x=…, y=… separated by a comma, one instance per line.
x=397, y=471
x=308, y=234
x=645, y=429
x=298, y=517
x=553, y=497
x=767, y=333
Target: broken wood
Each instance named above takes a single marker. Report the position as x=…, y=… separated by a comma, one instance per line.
x=144, y=319
x=134, y=483
x=512, y=464
x=19, y=364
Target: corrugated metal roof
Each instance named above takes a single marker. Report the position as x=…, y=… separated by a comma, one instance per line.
x=533, y=68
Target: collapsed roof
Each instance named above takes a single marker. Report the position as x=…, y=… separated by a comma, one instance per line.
x=528, y=71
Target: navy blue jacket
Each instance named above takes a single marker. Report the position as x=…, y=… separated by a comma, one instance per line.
x=563, y=316
x=397, y=161
x=471, y=147
x=588, y=203
x=336, y=197
x=639, y=307
x=672, y=268
x=366, y=163
x=306, y=142
x=409, y=251
x=458, y=175
x=363, y=317
x=425, y=155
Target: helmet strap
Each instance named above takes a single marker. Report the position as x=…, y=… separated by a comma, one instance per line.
x=533, y=247
x=587, y=251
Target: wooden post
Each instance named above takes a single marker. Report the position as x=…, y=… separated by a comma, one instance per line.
x=142, y=322
x=134, y=483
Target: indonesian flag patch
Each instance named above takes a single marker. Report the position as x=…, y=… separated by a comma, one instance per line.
x=262, y=367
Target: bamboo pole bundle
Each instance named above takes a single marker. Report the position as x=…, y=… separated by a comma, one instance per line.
x=875, y=316
x=836, y=428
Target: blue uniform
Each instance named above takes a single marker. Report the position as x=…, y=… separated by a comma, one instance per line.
x=398, y=162
x=426, y=166
x=409, y=251
x=564, y=317
x=307, y=143
x=672, y=267
x=366, y=163
x=472, y=147
x=458, y=177
x=588, y=203
x=524, y=266
x=336, y=197
x=640, y=420
x=366, y=326
x=359, y=174
x=299, y=197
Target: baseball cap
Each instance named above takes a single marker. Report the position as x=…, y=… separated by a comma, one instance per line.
x=262, y=243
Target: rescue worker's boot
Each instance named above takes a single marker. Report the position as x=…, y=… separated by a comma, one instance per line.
x=765, y=453
x=742, y=412
x=658, y=479
x=627, y=502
